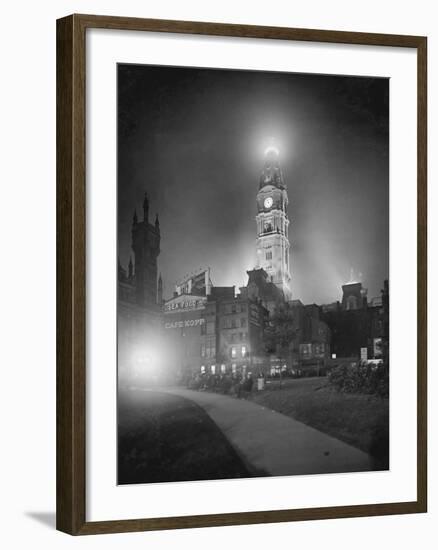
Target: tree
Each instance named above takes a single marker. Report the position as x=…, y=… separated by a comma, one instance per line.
x=282, y=331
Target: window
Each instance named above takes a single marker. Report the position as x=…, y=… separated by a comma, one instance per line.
x=243, y=322
x=213, y=369
x=244, y=351
x=269, y=255
x=202, y=350
x=233, y=308
x=234, y=368
x=202, y=369
x=319, y=349
x=233, y=352
x=306, y=350
x=223, y=369
x=233, y=323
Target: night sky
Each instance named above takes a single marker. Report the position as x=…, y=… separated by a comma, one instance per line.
x=194, y=139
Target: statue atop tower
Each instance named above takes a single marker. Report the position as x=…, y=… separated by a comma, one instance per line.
x=273, y=224
x=271, y=173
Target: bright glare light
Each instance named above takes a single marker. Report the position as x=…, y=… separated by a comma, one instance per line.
x=272, y=149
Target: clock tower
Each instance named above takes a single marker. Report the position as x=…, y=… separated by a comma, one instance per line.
x=273, y=224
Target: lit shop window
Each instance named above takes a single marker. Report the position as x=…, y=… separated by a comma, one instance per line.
x=244, y=351
x=233, y=352
x=234, y=368
x=213, y=369
x=223, y=369
x=202, y=369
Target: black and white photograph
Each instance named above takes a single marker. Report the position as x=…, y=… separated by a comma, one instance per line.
x=252, y=274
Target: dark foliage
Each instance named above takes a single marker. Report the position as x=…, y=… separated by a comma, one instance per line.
x=361, y=378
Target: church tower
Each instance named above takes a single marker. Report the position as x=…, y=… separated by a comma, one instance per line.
x=146, y=247
x=273, y=224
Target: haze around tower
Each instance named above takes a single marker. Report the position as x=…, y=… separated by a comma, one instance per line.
x=195, y=139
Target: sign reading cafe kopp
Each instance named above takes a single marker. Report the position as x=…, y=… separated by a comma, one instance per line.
x=184, y=324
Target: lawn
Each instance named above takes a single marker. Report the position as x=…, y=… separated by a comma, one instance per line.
x=163, y=437
x=360, y=420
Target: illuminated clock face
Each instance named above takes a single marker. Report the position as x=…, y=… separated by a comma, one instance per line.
x=268, y=202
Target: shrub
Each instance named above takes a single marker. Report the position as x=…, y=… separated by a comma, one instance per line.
x=361, y=378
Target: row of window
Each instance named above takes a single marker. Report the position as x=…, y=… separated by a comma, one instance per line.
x=222, y=369
x=235, y=350
x=306, y=350
x=238, y=336
x=234, y=308
x=208, y=350
x=234, y=323
x=208, y=327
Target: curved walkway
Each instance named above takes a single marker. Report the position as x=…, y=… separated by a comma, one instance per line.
x=273, y=442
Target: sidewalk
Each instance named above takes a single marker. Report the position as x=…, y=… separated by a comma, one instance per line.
x=273, y=442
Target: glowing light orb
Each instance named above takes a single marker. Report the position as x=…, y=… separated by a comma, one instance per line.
x=271, y=150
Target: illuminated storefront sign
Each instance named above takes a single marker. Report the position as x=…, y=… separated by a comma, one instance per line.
x=188, y=323
x=185, y=303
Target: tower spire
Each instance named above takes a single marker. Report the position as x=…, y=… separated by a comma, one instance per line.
x=130, y=267
x=160, y=290
x=271, y=173
x=146, y=207
x=157, y=222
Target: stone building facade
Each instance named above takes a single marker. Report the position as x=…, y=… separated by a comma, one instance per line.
x=139, y=293
x=218, y=333
x=359, y=327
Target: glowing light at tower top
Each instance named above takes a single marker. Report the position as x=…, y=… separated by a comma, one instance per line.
x=271, y=150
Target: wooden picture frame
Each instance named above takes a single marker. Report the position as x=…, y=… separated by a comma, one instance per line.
x=71, y=274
